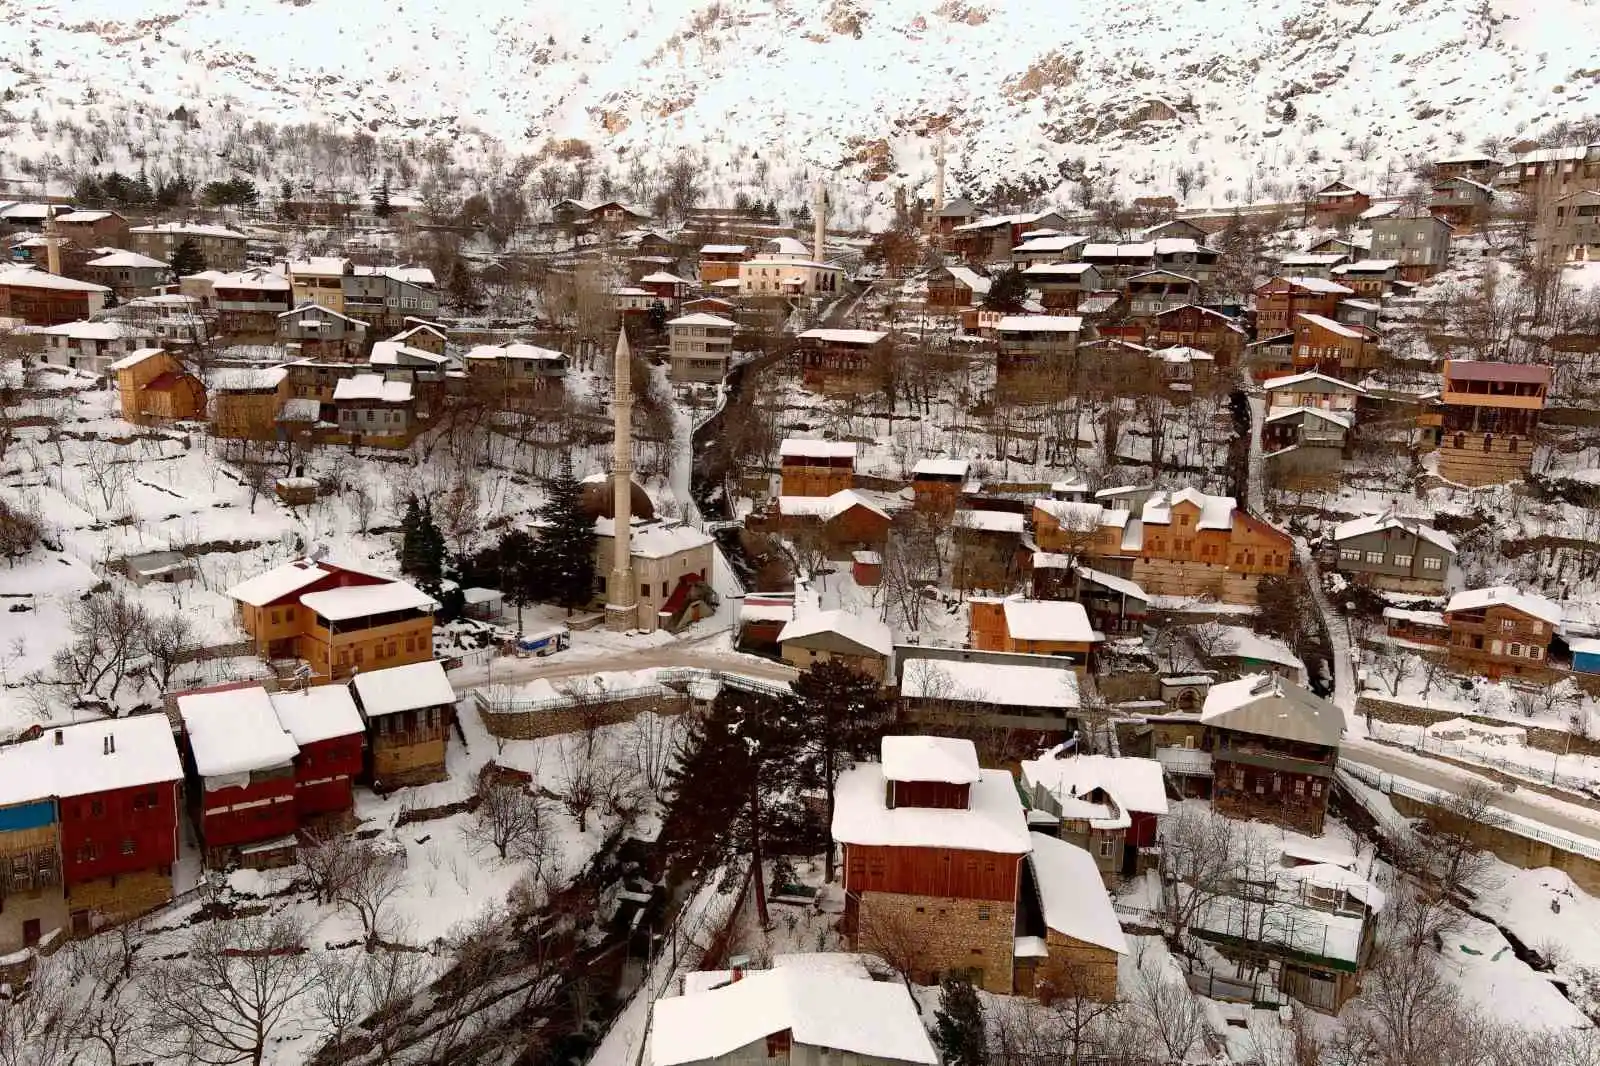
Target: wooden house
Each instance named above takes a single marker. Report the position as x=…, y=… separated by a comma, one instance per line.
x=424, y=336
x=1462, y=202
x=1488, y=414
x=1501, y=631
x=1274, y=746
x=1331, y=348
x=518, y=377
x=315, y=332
x=1310, y=264
x=1337, y=205
x=816, y=467
x=934, y=848
x=242, y=780
x=1119, y=262
x=1108, y=806
x=1552, y=171
x=860, y=642
x=1176, y=227
x=990, y=240
x=38, y=298
x=244, y=402
x=1155, y=291
x=987, y=543
x=325, y=725
x=1026, y=701
x=1191, y=326
x=1393, y=553
x=1280, y=299
x=93, y=229
x=375, y=411
x=954, y=214
x=1187, y=257
x=335, y=617
x=409, y=711
x=1478, y=167
x=1035, y=355
x=88, y=827
x=936, y=484
x=1062, y=287
x=1047, y=248
x=841, y=360
x=250, y=303
x=153, y=387
x=952, y=288
x=1416, y=626
x=847, y=520
x=223, y=248
x=1041, y=627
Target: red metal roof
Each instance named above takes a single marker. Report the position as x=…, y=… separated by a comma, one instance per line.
x=1471, y=370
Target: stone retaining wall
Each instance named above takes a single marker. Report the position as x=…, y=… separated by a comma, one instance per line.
x=535, y=724
x=1554, y=740
x=1520, y=851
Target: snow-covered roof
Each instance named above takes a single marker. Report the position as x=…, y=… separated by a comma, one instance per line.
x=360, y=601
x=816, y=449
x=235, y=731
x=1073, y=514
x=84, y=216
x=255, y=278
x=372, y=387
x=700, y=318
x=660, y=540
x=869, y=633
x=133, y=359
x=1364, y=266
x=1290, y=381
x=189, y=229
x=412, y=275
x=1305, y=259
x=1055, y=620
x=995, y=221
x=1047, y=243
x=951, y=760
x=1427, y=618
x=999, y=684
x=786, y=246
x=1055, y=270
x=990, y=521
x=971, y=279
x=1378, y=211
x=1330, y=325
x=941, y=468
x=395, y=353
x=1181, y=353
x=827, y=508
x=245, y=379
x=662, y=277
x=141, y=752
x=1039, y=324
x=1135, y=784
x=724, y=249
x=1342, y=419
x=131, y=260
x=23, y=277
x=91, y=331
x=1241, y=642
x=317, y=712
x=1072, y=894
x=1529, y=603
x=876, y=1021
x=1335, y=875
x=1216, y=512
x=1122, y=585
x=1270, y=706
x=844, y=336
x=1138, y=251
x=277, y=583
x=403, y=688
x=1377, y=523
x=1179, y=245
x=1321, y=285
x=993, y=820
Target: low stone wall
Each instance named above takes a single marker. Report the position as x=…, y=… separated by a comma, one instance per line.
x=1553, y=740
x=534, y=724
x=1501, y=777
x=1506, y=845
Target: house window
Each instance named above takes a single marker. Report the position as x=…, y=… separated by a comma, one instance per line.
x=1402, y=560
x=1350, y=555
x=1535, y=652
x=1537, y=628
x=127, y=847
x=983, y=914
x=1375, y=558
x=1515, y=649
x=1430, y=562
x=1105, y=848
x=1507, y=625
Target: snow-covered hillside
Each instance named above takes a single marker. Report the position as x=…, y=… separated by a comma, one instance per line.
x=1030, y=88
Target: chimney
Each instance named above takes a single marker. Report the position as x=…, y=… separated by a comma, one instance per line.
x=52, y=242
x=105, y=744
x=61, y=738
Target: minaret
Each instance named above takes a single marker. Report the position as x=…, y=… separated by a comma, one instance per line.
x=622, y=597
x=819, y=222
x=938, y=176
x=52, y=242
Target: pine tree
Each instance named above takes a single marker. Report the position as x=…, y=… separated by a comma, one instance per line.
x=462, y=287
x=187, y=258
x=422, y=547
x=959, y=1031
x=1006, y=291
x=520, y=581
x=564, y=558
x=1289, y=113
x=382, y=205
x=840, y=714
x=734, y=791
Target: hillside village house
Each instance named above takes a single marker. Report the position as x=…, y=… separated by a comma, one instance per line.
x=1031, y=699
x=933, y=854
x=242, y=786
x=848, y=520
x=88, y=827
x=221, y=247
x=1394, y=553
x=1274, y=747
x=937, y=484
x=245, y=401
x=315, y=332
x=787, y=276
x=1552, y=171
x=1155, y=291
x=1042, y=627
x=1307, y=412
x=1062, y=286
x=701, y=347
x=1069, y=938
x=1488, y=414
x=373, y=411
x=841, y=360
x=987, y=543
x=1501, y=631
x=93, y=229
x=792, y=1015
x=955, y=287
x=425, y=336
x=1107, y=806
x=1192, y=326
x=862, y=643
x=1479, y=167
x=1420, y=245
x=1337, y=205
x=672, y=565
x=815, y=467
x=1461, y=201
x=720, y=262
x=40, y=299
x=1119, y=262
x=956, y=212
x=129, y=274
x=990, y=240
x=516, y=376
x=1369, y=277
x=335, y=618
x=409, y=711
x=93, y=346
x=1047, y=248
x=1333, y=348
x=1281, y=299
x=1034, y=354
x=1310, y=264
x=1571, y=227
x=154, y=387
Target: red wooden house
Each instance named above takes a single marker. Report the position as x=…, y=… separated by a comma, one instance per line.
x=328, y=730
x=933, y=849
x=1337, y=204
x=1192, y=326
x=241, y=763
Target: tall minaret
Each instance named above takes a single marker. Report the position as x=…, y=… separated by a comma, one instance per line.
x=819, y=222
x=622, y=597
x=938, y=176
x=52, y=241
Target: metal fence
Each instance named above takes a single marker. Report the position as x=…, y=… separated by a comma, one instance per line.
x=1410, y=737
x=671, y=683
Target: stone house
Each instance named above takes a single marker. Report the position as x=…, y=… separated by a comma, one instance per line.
x=1501, y=631
x=1389, y=552
x=129, y=274
x=1105, y=805
x=222, y=248
x=671, y=563
x=1069, y=940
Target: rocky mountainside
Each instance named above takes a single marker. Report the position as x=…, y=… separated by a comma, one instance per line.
x=1222, y=100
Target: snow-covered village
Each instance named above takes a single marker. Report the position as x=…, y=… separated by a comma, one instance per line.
x=812, y=532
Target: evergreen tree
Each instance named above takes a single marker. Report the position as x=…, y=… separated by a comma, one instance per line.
x=519, y=580
x=1289, y=113
x=462, y=287
x=1006, y=291
x=422, y=547
x=187, y=258
x=733, y=789
x=840, y=714
x=657, y=316
x=89, y=192
x=959, y=1031
x=564, y=558
x=382, y=203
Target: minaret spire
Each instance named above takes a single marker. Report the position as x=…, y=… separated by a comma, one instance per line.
x=819, y=222
x=622, y=612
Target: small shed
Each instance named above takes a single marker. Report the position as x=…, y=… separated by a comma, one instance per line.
x=867, y=568
x=1585, y=654
x=169, y=567
x=485, y=605
x=296, y=491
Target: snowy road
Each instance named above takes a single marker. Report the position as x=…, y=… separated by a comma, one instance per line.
x=510, y=671
x=1534, y=806
x=1344, y=673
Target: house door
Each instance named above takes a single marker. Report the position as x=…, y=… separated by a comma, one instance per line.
x=80, y=923
x=30, y=932
x=1130, y=859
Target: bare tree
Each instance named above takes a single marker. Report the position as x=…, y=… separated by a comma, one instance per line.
x=37, y=1019
x=512, y=820
x=378, y=875
x=109, y=1017
x=1211, y=639
x=224, y=999
x=1165, y=1008
x=1202, y=854
x=329, y=863
x=168, y=639
x=1392, y=666
x=105, y=474
x=649, y=744
x=901, y=944
x=108, y=632
x=1442, y=867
